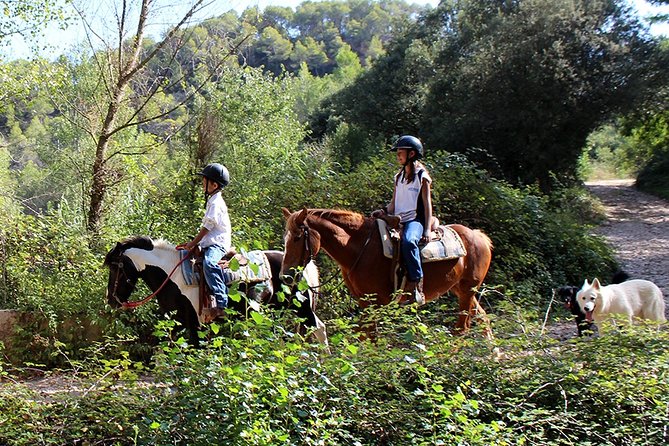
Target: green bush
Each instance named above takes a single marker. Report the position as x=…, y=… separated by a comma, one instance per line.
x=653, y=177
x=259, y=383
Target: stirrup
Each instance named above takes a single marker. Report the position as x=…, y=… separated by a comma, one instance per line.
x=412, y=294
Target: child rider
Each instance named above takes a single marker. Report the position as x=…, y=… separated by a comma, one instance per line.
x=214, y=237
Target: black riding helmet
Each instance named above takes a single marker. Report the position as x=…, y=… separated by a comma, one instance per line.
x=217, y=173
x=411, y=143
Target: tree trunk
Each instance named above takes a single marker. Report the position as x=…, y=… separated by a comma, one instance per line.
x=121, y=66
x=98, y=188
x=99, y=182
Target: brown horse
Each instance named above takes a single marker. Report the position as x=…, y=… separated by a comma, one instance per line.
x=354, y=243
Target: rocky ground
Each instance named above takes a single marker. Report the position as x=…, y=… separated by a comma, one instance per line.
x=637, y=228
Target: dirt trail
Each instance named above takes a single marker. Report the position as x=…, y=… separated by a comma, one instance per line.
x=637, y=228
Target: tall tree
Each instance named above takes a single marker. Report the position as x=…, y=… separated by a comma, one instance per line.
x=26, y=19
x=29, y=17
x=526, y=81
x=275, y=49
x=130, y=91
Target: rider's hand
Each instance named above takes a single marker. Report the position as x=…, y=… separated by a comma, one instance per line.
x=378, y=213
x=184, y=246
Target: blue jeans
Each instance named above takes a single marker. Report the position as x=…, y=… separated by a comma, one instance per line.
x=411, y=235
x=213, y=274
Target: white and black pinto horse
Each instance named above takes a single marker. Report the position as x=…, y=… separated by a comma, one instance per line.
x=152, y=261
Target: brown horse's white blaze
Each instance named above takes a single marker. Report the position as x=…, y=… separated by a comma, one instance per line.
x=353, y=242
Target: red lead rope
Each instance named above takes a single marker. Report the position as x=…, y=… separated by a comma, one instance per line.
x=137, y=303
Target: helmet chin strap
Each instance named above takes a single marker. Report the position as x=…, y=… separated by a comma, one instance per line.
x=206, y=191
x=406, y=163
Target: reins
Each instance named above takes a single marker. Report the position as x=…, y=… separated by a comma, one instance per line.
x=138, y=303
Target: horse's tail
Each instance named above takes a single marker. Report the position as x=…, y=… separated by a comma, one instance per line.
x=484, y=239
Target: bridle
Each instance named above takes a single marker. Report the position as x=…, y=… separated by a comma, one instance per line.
x=137, y=303
x=119, y=270
x=308, y=255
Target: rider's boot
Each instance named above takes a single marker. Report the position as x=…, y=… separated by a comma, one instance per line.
x=419, y=295
x=211, y=314
x=412, y=293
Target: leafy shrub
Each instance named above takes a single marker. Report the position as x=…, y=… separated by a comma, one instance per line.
x=258, y=383
x=653, y=177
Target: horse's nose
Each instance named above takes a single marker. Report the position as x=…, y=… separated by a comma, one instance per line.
x=287, y=279
x=288, y=276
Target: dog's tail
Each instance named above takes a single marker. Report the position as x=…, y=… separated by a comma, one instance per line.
x=619, y=277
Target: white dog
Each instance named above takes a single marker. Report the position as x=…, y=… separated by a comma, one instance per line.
x=632, y=298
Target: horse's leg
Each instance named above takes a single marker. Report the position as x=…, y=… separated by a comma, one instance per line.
x=313, y=321
x=306, y=312
x=469, y=306
x=367, y=330
x=187, y=317
x=475, y=267
x=320, y=333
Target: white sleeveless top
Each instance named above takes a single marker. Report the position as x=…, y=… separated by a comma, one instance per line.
x=406, y=194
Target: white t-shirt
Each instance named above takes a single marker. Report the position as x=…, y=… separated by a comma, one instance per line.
x=217, y=220
x=406, y=194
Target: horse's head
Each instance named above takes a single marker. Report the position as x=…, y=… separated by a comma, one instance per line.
x=123, y=274
x=302, y=243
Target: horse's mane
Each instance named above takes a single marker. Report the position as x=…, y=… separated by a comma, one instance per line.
x=135, y=241
x=343, y=217
x=163, y=244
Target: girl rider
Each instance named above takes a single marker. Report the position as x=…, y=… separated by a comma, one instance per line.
x=412, y=202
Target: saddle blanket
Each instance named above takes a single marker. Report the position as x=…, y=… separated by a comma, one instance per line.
x=445, y=244
x=253, y=268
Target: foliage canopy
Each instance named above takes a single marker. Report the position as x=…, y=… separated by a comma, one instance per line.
x=525, y=82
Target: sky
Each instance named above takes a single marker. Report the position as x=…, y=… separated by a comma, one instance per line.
x=58, y=42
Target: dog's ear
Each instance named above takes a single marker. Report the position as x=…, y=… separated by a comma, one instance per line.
x=585, y=284
x=595, y=284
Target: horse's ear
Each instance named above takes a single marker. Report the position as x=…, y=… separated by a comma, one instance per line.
x=301, y=217
x=286, y=213
x=112, y=252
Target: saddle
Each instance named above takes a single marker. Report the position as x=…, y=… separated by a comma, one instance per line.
x=444, y=244
x=251, y=268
